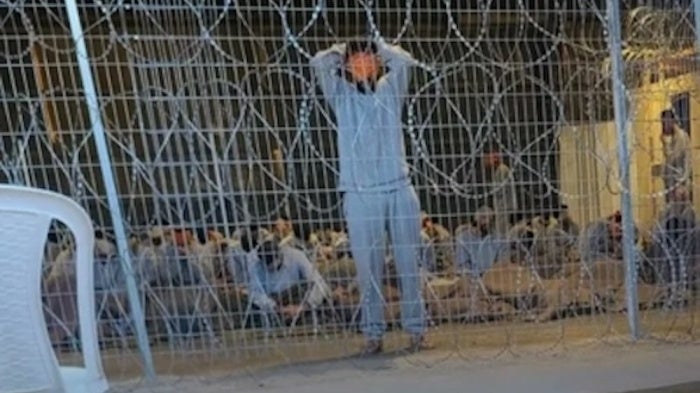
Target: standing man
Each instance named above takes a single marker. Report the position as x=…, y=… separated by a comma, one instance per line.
x=365, y=84
x=476, y=247
x=501, y=190
x=677, y=160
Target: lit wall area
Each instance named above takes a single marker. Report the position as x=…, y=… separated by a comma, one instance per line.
x=588, y=157
x=588, y=154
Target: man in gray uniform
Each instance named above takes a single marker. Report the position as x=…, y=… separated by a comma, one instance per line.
x=501, y=190
x=676, y=147
x=374, y=177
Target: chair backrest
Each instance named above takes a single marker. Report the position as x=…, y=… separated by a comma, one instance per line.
x=27, y=361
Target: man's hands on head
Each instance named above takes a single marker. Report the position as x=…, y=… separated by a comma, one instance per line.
x=362, y=62
x=339, y=49
x=363, y=66
x=384, y=52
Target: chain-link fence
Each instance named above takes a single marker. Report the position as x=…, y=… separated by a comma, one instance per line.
x=537, y=222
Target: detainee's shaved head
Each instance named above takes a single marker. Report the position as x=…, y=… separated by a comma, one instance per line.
x=363, y=65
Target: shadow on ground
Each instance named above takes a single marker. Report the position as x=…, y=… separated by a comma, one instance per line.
x=692, y=387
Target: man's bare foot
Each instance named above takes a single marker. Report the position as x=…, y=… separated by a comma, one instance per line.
x=372, y=347
x=420, y=343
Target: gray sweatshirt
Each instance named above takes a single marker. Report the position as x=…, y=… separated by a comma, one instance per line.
x=370, y=139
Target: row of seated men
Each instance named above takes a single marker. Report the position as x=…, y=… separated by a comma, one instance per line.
x=547, y=266
x=542, y=267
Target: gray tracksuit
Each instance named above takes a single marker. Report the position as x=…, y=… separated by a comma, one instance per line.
x=374, y=177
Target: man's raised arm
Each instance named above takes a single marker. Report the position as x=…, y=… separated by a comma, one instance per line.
x=395, y=56
x=326, y=64
x=398, y=61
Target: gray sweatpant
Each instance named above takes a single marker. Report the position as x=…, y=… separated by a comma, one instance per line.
x=368, y=216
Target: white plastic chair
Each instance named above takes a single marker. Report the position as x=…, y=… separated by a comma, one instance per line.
x=27, y=361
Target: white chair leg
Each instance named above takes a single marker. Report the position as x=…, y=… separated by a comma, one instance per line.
x=64, y=327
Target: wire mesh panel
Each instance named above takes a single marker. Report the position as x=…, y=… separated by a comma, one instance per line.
x=251, y=248
x=662, y=78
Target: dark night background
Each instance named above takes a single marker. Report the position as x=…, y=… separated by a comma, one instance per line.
x=192, y=128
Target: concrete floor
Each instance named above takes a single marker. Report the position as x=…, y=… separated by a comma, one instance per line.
x=577, y=355
x=244, y=353
x=691, y=387
x=613, y=369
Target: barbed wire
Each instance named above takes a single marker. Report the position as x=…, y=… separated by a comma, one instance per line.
x=196, y=97
x=433, y=85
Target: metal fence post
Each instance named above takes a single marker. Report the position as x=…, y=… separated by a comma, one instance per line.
x=110, y=185
x=623, y=156
x=696, y=19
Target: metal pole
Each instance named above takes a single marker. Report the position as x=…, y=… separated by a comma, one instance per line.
x=220, y=185
x=696, y=18
x=98, y=132
x=623, y=156
x=23, y=163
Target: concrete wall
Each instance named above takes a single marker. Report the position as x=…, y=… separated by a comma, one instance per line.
x=588, y=155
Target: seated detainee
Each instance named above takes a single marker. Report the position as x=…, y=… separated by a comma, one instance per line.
x=567, y=224
x=552, y=247
x=327, y=245
x=672, y=238
x=284, y=230
x=477, y=246
x=336, y=264
x=210, y=248
x=434, y=230
x=679, y=206
x=428, y=258
x=232, y=289
x=437, y=246
x=602, y=239
x=237, y=265
x=337, y=267
x=233, y=294
x=521, y=242
x=280, y=277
